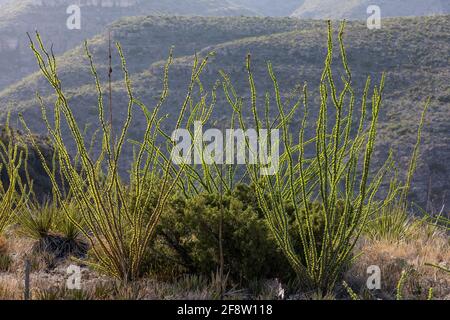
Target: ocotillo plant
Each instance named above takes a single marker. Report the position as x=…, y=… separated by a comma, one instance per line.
x=114, y=212
x=438, y=267
x=337, y=177
x=11, y=158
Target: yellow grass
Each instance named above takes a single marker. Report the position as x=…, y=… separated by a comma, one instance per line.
x=410, y=256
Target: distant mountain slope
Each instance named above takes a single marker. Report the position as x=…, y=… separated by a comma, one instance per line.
x=401, y=49
x=42, y=184
x=3, y=2
x=356, y=9
x=145, y=40
x=271, y=7
x=50, y=17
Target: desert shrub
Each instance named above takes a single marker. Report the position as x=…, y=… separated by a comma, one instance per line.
x=188, y=237
x=60, y=247
x=316, y=219
x=68, y=228
x=31, y=177
x=45, y=221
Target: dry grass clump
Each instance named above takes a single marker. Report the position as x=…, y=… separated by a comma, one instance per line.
x=10, y=288
x=410, y=257
x=21, y=248
x=5, y=258
x=3, y=245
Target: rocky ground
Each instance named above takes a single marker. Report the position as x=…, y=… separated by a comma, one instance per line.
x=49, y=277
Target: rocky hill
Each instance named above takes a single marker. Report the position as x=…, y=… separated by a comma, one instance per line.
x=270, y=7
x=145, y=41
x=50, y=18
x=357, y=9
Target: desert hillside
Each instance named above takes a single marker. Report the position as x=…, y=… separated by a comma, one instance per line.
x=357, y=9
x=49, y=17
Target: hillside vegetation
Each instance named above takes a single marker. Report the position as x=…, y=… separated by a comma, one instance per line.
x=357, y=9
x=49, y=17
x=271, y=7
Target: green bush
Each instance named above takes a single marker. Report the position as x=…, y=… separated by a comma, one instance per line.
x=188, y=237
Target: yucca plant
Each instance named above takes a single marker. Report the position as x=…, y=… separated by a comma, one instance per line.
x=392, y=223
x=36, y=222
x=65, y=226
x=338, y=174
x=114, y=211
